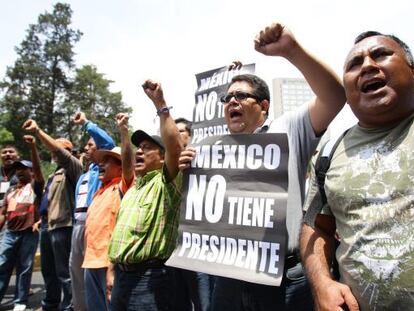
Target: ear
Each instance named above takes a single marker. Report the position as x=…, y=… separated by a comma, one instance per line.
x=265, y=106
x=162, y=157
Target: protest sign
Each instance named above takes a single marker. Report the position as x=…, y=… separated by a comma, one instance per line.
x=208, y=113
x=233, y=210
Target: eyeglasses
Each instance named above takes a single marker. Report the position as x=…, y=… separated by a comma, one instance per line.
x=239, y=96
x=146, y=147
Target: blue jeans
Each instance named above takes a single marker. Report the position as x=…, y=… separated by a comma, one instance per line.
x=55, y=250
x=235, y=295
x=17, y=249
x=194, y=290
x=95, y=289
x=77, y=276
x=149, y=290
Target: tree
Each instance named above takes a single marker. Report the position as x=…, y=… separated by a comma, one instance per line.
x=90, y=93
x=37, y=84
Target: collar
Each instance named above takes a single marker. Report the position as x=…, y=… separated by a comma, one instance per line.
x=264, y=128
x=113, y=182
x=146, y=178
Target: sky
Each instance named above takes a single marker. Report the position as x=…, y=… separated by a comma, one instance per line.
x=172, y=40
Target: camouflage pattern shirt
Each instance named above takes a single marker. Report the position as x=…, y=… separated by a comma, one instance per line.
x=370, y=192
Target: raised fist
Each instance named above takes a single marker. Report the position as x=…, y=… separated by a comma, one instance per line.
x=122, y=121
x=275, y=40
x=29, y=139
x=30, y=126
x=79, y=118
x=154, y=92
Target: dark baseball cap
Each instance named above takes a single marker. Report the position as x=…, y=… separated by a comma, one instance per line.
x=139, y=136
x=24, y=163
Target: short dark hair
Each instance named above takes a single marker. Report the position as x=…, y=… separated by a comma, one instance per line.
x=187, y=123
x=402, y=44
x=260, y=88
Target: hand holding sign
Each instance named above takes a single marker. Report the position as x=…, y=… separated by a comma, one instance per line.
x=276, y=40
x=154, y=92
x=236, y=64
x=186, y=157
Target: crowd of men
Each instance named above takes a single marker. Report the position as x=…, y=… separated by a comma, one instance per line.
x=107, y=229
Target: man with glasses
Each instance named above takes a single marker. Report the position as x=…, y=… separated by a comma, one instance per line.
x=147, y=222
x=246, y=107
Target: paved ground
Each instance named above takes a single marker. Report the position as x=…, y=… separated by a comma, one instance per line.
x=34, y=300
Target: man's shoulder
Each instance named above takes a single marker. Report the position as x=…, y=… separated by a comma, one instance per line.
x=289, y=119
x=11, y=189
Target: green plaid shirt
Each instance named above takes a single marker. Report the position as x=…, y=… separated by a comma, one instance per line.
x=147, y=221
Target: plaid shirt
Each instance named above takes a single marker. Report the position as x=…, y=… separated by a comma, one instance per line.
x=147, y=222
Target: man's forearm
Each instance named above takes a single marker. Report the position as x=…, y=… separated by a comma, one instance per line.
x=317, y=250
x=37, y=172
x=325, y=83
x=127, y=157
x=2, y=220
x=172, y=141
x=48, y=141
x=330, y=94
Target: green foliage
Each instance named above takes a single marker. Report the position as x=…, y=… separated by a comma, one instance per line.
x=47, y=168
x=6, y=137
x=90, y=93
x=45, y=85
x=35, y=86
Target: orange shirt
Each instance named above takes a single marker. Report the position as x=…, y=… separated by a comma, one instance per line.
x=100, y=222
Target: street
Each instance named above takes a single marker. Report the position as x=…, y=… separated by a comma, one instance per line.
x=34, y=302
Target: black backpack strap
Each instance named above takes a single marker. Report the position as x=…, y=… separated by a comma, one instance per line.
x=322, y=164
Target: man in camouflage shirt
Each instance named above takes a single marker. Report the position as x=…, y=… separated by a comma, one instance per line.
x=369, y=188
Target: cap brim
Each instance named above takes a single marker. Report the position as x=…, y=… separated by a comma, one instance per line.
x=139, y=136
x=100, y=154
x=17, y=164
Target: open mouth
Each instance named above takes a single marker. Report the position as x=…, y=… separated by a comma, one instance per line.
x=139, y=161
x=101, y=170
x=235, y=114
x=8, y=160
x=372, y=86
